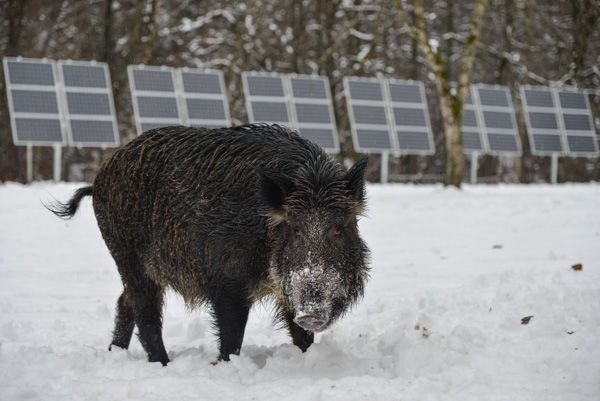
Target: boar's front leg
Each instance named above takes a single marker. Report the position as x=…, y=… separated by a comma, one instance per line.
x=231, y=306
x=300, y=337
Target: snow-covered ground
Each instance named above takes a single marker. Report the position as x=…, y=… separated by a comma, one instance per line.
x=453, y=274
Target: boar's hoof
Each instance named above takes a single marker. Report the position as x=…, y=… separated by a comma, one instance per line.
x=312, y=322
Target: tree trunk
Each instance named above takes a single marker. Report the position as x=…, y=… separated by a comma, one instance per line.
x=451, y=104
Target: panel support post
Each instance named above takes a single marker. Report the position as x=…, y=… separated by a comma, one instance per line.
x=29, y=162
x=57, y=161
x=554, y=169
x=474, y=167
x=384, y=167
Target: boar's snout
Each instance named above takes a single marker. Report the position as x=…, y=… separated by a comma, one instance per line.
x=312, y=322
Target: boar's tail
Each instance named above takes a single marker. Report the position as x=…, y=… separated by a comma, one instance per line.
x=68, y=209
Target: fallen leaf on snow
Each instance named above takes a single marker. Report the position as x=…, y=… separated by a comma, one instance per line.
x=526, y=319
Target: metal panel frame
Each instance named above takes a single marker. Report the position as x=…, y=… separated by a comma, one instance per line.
x=504, y=131
x=530, y=131
x=203, y=96
x=276, y=99
x=587, y=112
x=78, y=89
x=158, y=94
x=45, y=88
x=354, y=127
x=327, y=102
x=417, y=106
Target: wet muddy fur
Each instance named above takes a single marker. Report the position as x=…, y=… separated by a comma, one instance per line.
x=216, y=215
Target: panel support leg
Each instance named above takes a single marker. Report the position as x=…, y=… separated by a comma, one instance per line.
x=384, y=167
x=554, y=171
x=474, y=167
x=57, y=162
x=29, y=161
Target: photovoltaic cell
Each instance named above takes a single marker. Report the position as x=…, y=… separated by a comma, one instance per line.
x=572, y=100
x=36, y=73
x=197, y=82
x=312, y=113
x=156, y=97
x=270, y=112
x=370, y=115
x=409, y=116
x=205, y=109
x=34, y=101
x=307, y=88
x=365, y=90
x=405, y=93
x=270, y=86
x=85, y=76
x=88, y=103
x=153, y=80
x=39, y=130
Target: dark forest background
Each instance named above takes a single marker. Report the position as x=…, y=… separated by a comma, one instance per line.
x=522, y=42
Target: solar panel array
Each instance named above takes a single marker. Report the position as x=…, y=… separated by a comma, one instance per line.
x=299, y=102
x=34, y=102
x=559, y=122
x=88, y=104
x=388, y=116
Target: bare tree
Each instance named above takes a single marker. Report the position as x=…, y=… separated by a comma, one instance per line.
x=451, y=101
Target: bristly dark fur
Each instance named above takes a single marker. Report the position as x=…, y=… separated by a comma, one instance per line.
x=226, y=217
x=68, y=209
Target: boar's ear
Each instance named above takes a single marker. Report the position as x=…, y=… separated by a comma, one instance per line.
x=356, y=179
x=272, y=191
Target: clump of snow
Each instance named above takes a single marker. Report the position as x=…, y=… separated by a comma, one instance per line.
x=453, y=274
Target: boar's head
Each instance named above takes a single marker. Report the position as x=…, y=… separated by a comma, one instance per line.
x=319, y=263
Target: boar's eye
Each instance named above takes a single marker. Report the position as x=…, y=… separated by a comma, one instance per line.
x=297, y=231
x=337, y=232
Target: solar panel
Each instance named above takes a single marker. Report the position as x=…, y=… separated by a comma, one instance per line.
x=368, y=111
x=34, y=102
x=155, y=97
x=574, y=108
x=559, y=121
x=88, y=104
x=410, y=122
x=497, y=119
x=266, y=98
x=312, y=110
x=204, y=98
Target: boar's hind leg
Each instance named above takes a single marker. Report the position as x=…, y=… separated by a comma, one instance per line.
x=231, y=306
x=123, y=323
x=300, y=337
x=147, y=311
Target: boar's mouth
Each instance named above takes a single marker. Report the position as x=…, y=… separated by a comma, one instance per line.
x=313, y=322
